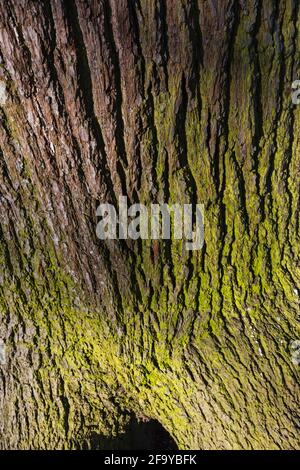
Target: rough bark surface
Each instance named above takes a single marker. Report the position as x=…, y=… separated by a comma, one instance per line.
x=175, y=101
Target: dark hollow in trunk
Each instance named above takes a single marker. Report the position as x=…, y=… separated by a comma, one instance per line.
x=138, y=435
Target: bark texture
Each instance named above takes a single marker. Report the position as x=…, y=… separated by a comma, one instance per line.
x=176, y=101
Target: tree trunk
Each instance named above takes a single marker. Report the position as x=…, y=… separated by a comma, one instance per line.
x=175, y=101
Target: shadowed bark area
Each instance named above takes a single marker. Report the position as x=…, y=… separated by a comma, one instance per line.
x=176, y=101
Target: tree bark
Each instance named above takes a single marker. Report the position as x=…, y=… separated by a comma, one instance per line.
x=175, y=101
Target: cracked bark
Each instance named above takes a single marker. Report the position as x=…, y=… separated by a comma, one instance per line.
x=175, y=101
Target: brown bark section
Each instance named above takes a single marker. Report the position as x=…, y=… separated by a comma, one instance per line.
x=174, y=101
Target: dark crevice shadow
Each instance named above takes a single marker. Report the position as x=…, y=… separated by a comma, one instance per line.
x=139, y=435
